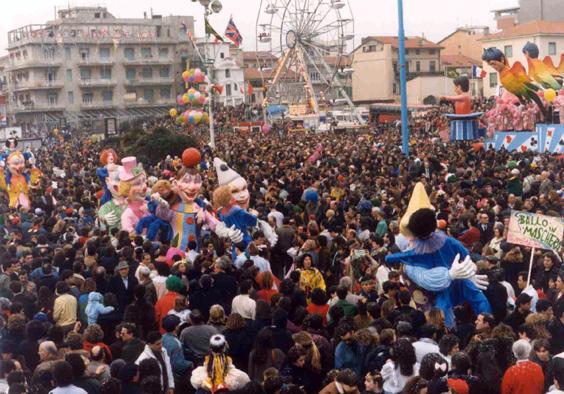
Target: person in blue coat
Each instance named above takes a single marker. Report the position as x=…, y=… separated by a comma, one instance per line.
x=437, y=263
x=180, y=366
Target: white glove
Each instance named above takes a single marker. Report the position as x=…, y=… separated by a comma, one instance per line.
x=268, y=232
x=111, y=219
x=235, y=235
x=462, y=270
x=481, y=281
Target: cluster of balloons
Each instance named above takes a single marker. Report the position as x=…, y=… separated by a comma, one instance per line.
x=194, y=75
x=193, y=99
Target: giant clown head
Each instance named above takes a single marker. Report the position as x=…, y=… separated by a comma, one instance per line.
x=132, y=180
x=16, y=163
x=238, y=185
x=109, y=159
x=188, y=186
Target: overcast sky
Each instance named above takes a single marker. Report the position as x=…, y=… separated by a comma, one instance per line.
x=434, y=18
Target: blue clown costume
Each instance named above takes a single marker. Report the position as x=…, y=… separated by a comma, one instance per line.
x=429, y=262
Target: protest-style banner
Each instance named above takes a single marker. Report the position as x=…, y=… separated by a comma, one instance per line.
x=535, y=231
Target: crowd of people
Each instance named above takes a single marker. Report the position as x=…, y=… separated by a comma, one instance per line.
x=84, y=309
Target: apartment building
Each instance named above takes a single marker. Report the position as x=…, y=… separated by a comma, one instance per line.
x=376, y=71
x=89, y=65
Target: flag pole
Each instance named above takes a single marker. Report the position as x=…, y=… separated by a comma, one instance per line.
x=403, y=87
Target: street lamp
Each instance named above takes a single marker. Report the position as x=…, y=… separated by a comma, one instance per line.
x=210, y=7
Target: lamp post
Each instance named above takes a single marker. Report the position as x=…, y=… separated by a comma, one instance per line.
x=210, y=7
x=403, y=88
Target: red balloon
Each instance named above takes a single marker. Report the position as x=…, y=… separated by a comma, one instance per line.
x=191, y=157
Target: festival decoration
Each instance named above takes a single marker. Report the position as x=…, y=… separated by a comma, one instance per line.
x=112, y=204
x=231, y=200
x=183, y=212
x=15, y=179
x=550, y=95
x=437, y=263
x=133, y=188
x=173, y=112
x=193, y=99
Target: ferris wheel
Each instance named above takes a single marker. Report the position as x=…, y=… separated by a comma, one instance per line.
x=311, y=40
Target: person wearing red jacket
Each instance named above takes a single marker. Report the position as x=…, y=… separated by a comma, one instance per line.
x=525, y=377
x=166, y=302
x=471, y=235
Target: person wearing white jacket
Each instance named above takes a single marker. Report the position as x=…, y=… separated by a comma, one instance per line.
x=154, y=349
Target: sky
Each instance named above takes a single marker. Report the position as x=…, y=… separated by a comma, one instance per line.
x=433, y=18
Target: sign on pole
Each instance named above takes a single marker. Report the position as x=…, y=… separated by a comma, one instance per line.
x=535, y=231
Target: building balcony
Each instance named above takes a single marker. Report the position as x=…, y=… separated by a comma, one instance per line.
x=149, y=81
x=38, y=85
x=98, y=105
x=148, y=60
x=141, y=102
x=33, y=63
x=31, y=106
x=96, y=83
x=96, y=62
x=90, y=40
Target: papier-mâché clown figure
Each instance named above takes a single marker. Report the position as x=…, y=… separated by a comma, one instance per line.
x=16, y=180
x=185, y=215
x=132, y=187
x=112, y=204
x=438, y=263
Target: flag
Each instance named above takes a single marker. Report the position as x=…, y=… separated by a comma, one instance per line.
x=232, y=33
x=211, y=31
x=250, y=89
x=478, y=72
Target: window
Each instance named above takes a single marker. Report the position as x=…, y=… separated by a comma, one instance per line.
x=228, y=90
x=85, y=73
x=222, y=55
x=104, y=53
x=146, y=53
x=52, y=99
x=129, y=53
x=24, y=54
x=165, y=93
x=70, y=97
x=69, y=75
x=147, y=73
x=148, y=94
x=552, y=48
x=227, y=73
x=67, y=52
x=107, y=96
x=508, y=50
x=129, y=74
x=432, y=66
x=493, y=80
x=431, y=51
x=164, y=72
x=87, y=98
x=49, y=53
x=106, y=73
x=84, y=54
x=418, y=66
x=163, y=53
x=417, y=51
x=394, y=88
x=407, y=51
x=96, y=15
x=314, y=75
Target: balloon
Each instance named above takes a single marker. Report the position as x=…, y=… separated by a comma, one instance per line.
x=205, y=118
x=185, y=116
x=179, y=120
x=185, y=76
x=202, y=99
x=185, y=99
x=197, y=117
x=265, y=128
x=173, y=112
x=549, y=95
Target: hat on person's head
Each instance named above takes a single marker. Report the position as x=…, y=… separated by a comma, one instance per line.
x=511, y=164
x=173, y=283
x=41, y=317
x=459, y=386
x=69, y=211
x=515, y=171
x=225, y=174
x=122, y=265
x=217, y=343
x=39, y=211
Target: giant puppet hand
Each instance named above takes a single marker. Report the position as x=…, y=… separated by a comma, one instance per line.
x=481, y=281
x=159, y=200
x=462, y=270
x=234, y=234
x=268, y=232
x=111, y=219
